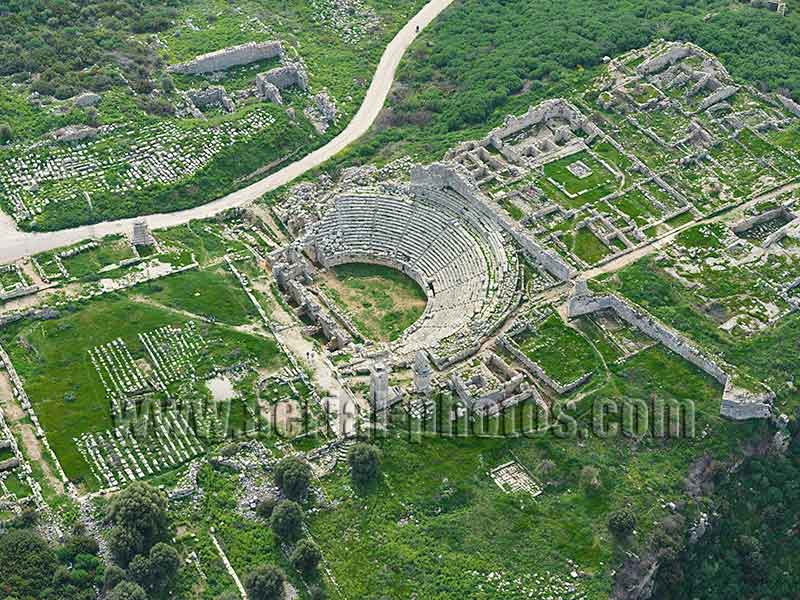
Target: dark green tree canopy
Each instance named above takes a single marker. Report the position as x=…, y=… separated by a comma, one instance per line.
x=287, y=520
x=127, y=591
x=364, y=460
x=293, y=477
x=306, y=556
x=265, y=583
x=139, y=516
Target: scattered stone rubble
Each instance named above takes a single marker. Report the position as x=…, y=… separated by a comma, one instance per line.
x=322, y=112
x=75, y=133
x=213, y=96
x=351, y=19
x=448, y=228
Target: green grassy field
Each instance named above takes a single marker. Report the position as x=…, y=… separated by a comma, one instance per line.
x=53, y=359
x=212, y=292
x=443, y=525
x=599, y=176
x=563, y=353
x=87, y=264
x=436, y=525
x=765, y=356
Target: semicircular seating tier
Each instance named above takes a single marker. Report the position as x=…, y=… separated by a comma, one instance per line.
x=459, y=256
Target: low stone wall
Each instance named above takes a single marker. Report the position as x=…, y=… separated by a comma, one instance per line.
x=75, y=133
x=40, y=314
x=587, y=304
x=777, y=236
x=18, y=292
x=790, y=105
x=671, y=56
x=444, y=362
x=717, y=97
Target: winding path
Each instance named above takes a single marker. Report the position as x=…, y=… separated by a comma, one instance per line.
x=15, y=244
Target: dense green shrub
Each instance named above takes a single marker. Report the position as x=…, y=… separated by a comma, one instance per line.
x=70, y=43
x=621, y=523
x=139, y=516
x=293, y=477
x=364, y=460
x=287, y=520
x=305, y=556
x=750, y=548
x=31, y=569
x=127, y=591
x=265, y=583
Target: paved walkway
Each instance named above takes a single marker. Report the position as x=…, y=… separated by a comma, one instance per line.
x=15, y=244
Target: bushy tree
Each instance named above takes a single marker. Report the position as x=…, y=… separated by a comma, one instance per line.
x=621, y=523
x=124, y=544
x=293, y=477
x=78, y=543
x=127, y=590
x=306, y=556
x=287, y=520
x=317, y=593
x=265, y=583
x=139, y=516
x=114, y=575
x=139, y=571
x=155, y=571
x=27, y=563
x=164, y=564
x=365, y=462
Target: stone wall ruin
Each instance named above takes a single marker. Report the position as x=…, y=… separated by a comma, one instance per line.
x=226, y=58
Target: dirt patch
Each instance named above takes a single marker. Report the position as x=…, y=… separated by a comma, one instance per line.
x=33, y=450
x=11, y=409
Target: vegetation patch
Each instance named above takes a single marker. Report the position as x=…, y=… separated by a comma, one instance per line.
x=561, y=351
x=53, y=359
